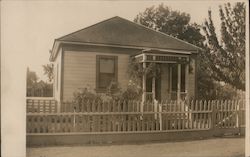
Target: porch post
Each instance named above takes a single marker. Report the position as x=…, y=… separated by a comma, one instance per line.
x=153, y=85
x=186, y=80
x=170, y=82
x=144, y=80
x=179, y=83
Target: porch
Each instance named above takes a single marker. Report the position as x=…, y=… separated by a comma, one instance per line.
x=173, y=81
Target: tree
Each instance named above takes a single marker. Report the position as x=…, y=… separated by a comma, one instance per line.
x=31, y=78
x=31, y=81
x=49, y=71
x=37, y=88
x=171, y=22
x=227, y=57
x=177, y=24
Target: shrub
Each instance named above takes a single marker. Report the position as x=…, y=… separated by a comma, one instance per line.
x=83, y=95
x=132, y=92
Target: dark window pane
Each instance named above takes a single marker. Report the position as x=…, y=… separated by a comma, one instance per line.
x=106, y=71
x=107, y=65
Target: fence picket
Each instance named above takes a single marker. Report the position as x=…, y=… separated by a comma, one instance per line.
x=33, y=106
x=201, y=105
x=98, y=106
x=44, y=106
x=196, y=105
x=223, y=113
x=232, y=113
x=228, y=114
x=112, y=105
x=50, y=107
x=38, y=110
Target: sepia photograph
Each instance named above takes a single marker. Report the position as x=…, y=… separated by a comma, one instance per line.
x=125, y=78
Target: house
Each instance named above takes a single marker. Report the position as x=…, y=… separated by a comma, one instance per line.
x=99, y=54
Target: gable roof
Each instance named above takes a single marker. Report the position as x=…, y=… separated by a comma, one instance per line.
x=122, y=32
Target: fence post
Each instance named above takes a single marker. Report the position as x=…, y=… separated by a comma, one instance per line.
x=155, y=103
x=239, y=113
x=141, y=109
x=213, y=116
x=74, y=119
x=160, y=115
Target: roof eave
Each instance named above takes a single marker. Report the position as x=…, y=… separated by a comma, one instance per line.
x=125, y=46
x=54, y=50
x=58, y=42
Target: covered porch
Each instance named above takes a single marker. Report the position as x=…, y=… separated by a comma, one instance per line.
x=172, y=82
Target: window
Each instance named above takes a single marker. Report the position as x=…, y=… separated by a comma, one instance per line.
x=106, y=72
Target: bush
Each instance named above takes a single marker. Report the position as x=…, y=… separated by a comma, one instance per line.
x=83, y=95
x=132, y=92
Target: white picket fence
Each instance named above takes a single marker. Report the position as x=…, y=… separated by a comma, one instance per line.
x=133, y=116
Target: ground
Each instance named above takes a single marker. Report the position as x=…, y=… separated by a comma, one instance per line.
x=219, y=147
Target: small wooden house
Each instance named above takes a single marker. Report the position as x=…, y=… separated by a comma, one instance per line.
x=99, y=54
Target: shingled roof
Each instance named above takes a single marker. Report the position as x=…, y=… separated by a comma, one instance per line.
x=122, y=32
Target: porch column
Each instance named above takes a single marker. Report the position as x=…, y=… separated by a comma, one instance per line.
x=170, y=82
x=186, y=79
x=144, y=80
x=153, y=85
x=179, y=83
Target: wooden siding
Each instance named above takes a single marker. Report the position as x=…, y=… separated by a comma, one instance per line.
x=57, y=80
x=80, y=71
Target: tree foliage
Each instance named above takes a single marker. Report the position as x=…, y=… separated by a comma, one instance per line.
x=136, y=71
x=36, y=88
x=31, y=78
x=214, y=64
x=171, y=22
x=227, y=57
x=49, y=71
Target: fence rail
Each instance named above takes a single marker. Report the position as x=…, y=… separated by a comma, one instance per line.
x=132, y=116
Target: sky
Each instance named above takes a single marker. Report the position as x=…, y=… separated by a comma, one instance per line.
x=32, y=26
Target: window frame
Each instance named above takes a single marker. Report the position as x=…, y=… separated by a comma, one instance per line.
x=98, y=58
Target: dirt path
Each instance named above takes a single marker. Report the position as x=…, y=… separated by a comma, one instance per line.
x=220, y=147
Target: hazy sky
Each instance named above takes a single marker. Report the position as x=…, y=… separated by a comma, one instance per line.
x=32, y=26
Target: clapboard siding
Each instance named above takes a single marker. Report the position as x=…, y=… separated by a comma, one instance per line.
x=57, y=70
x=80, y=71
